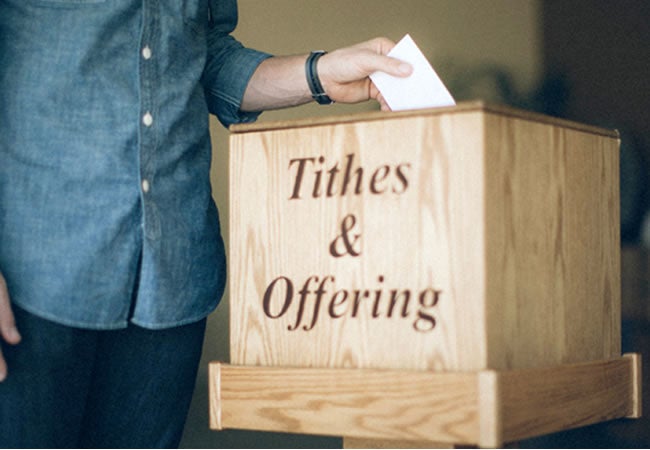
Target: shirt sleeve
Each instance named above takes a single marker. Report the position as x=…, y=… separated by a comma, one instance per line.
x=229, y=65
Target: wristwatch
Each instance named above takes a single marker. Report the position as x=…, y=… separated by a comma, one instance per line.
x=317, y=91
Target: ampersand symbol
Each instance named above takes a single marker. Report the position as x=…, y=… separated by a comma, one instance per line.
x=347, y=225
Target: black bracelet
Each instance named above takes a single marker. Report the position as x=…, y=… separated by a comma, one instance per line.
x=317, y=91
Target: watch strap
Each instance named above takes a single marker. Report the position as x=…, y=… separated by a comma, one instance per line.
x=315, y=86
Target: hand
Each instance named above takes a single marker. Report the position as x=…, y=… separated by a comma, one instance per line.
x=280, y=82
x=344, y=72
x=8, y=331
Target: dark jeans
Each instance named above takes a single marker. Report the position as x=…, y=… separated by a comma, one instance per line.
x=69, y=387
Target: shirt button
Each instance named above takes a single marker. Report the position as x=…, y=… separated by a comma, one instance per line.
x=145, y=186
x=147, y=119
x=146, y=52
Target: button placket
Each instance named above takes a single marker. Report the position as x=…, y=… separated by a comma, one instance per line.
x=147, y=117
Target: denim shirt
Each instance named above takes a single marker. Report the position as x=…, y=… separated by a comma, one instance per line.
x=106, y=212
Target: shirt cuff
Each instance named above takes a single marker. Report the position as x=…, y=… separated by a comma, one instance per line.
x=225, y=94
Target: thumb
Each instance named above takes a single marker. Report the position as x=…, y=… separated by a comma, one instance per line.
x=373, y=62
x=395, y=67
x=378, y=60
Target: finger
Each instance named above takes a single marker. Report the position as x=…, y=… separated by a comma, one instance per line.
x=3, y=367
x=8, y=328
x=382, y=104
x=377, y=95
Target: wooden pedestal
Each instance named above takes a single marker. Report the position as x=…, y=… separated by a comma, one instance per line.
x=447, y=275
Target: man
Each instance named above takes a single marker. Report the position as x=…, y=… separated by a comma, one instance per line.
x=109, y=240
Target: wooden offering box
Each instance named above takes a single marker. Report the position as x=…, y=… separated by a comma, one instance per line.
x=435, y=262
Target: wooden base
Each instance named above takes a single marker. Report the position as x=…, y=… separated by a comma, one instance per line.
x=486, y=408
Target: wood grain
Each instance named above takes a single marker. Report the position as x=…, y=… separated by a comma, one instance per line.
x=380, y=404
x=511, y=216
x=415, y=240
x=486, y=408
x=552, y=244
x=545, y=400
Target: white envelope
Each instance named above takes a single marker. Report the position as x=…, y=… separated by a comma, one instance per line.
x=422, y=89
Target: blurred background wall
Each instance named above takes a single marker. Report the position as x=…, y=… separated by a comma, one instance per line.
x=587, y=60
